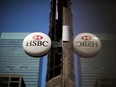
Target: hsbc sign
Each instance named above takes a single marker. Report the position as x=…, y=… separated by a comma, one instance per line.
x=37, y=41
x=37, y=44
x=86, y=44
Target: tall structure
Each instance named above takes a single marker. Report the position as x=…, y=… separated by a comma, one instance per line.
x=14, y=61
x=60, y=71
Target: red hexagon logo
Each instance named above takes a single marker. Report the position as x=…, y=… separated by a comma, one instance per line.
x=86, y=38
x=37, y=37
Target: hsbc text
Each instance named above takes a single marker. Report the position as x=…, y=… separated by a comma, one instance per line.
x=86, y=44
x=37, y=43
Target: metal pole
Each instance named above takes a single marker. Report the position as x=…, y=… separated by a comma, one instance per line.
x=67, y=36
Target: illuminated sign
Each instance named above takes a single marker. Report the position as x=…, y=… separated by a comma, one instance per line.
x=86, y=44
x=37, y=44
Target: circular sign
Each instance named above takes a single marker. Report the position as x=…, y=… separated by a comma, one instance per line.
x=37, y=44
x=86, y=45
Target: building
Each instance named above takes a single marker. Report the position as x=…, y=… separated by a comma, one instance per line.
x=100, y=71
x=8, y=80
x=60, y=70
x=14, y=61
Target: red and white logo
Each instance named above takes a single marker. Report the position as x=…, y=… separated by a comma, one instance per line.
x=86, y=38
x=37, y=44
x=37, y=37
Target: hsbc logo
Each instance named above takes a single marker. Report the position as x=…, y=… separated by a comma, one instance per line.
x=37, y=37
x=86, y=38
x=37, y=44
x=86, y=45
x=86, y=41
x=37, y=41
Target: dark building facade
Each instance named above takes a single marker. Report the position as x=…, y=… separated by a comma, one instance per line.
x=60, y=72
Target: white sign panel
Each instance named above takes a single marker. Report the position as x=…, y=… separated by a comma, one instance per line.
x=65, y=33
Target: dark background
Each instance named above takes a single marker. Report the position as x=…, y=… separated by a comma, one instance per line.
x=95, y=16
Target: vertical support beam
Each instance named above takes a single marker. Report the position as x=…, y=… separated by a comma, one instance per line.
x=67, y=57
x=63, y=34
